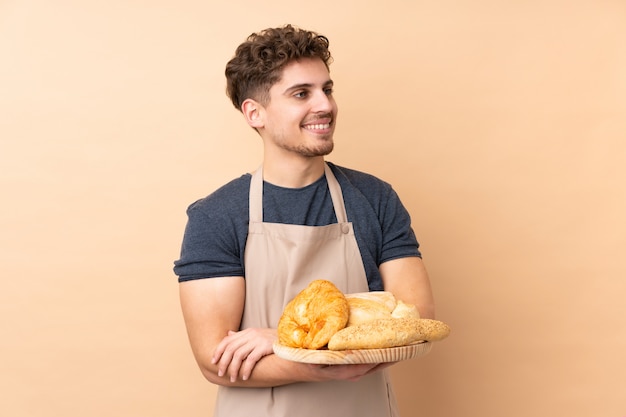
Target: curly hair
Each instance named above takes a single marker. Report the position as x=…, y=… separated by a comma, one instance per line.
x=259, y=61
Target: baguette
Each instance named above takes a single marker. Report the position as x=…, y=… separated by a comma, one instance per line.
x=388, y=332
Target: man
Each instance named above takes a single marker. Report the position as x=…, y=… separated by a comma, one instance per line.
x=253, y=244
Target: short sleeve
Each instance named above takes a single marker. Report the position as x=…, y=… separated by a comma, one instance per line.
x=215, y=234
x=399, y=239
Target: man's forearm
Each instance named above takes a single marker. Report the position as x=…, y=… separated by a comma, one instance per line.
x=269, y=371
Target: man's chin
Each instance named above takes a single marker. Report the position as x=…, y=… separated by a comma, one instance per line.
x=326, y=150
x=319, y=151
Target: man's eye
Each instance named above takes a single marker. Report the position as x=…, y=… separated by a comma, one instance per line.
x=300, y=94
x=328, y=91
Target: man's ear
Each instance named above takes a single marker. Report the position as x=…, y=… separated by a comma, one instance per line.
x=253, y=112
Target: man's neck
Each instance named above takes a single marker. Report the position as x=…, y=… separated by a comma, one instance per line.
x=294, y=172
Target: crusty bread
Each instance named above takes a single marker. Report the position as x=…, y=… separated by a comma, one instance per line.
x=432, y=330
x=388, y=332
x=313, y=316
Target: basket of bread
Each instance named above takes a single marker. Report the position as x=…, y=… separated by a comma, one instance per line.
x=322, y=325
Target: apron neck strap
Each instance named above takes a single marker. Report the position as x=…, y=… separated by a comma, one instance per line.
x=256, y=195
x=336, y=195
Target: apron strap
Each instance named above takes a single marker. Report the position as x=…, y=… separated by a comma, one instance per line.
x=256, y=195
x=336, y=195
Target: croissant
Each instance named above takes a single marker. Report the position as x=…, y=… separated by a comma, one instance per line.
x=313, y=316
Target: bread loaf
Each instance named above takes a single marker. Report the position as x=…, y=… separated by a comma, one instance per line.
x=363, y=310
x=367, y=306
x=388, y=332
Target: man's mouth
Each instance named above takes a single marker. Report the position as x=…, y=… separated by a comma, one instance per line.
x=317, y=126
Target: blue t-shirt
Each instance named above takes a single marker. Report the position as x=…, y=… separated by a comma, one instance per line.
x=217, y=227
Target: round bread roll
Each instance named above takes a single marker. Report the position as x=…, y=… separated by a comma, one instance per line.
x=405, y=310
x=313, y=316
x=368, y=306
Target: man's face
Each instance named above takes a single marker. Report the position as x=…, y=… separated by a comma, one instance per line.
x=301, y=113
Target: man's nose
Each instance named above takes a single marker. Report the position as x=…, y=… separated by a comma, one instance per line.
x=323, y=102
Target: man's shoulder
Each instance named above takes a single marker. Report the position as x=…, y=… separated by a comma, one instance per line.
x=232, y=195
x=363, y=181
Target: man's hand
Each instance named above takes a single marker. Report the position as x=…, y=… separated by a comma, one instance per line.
x=238, y=352
x=346, y=372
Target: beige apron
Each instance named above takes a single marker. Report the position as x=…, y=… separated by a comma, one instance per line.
x=280, y=260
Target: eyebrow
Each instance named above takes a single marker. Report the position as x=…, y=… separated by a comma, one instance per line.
x=328, y=83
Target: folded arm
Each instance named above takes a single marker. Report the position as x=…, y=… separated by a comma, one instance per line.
x=212, y=310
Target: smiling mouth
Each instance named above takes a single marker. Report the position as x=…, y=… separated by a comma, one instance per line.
x=317, y=126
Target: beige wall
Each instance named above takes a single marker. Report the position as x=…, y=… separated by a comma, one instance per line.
x=502, y=124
